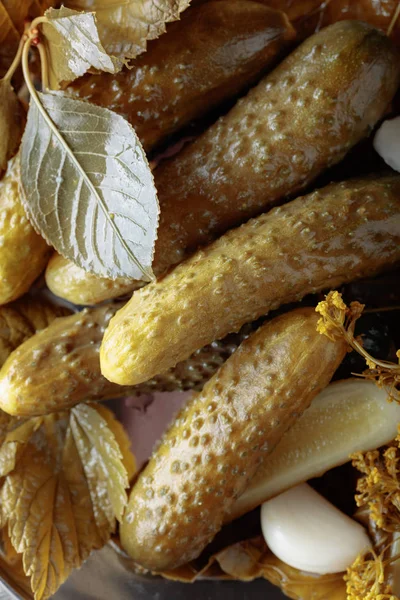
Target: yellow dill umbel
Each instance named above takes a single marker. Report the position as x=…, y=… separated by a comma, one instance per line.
x=338, y=320
x=366, y=578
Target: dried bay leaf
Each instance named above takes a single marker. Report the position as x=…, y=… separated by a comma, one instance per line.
x=10, y=123
x=73, y=46
x=88, y=187
x=125, y=26
x=62, y=493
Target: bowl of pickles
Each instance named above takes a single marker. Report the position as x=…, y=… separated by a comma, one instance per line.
x=200, y=299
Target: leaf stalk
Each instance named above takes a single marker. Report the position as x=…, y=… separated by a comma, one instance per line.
x=17, y=59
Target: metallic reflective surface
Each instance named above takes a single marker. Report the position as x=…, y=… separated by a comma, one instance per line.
x=105, y=577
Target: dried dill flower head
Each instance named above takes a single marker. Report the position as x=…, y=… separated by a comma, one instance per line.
x=379, y=487
x=366, y=578
x=338, y=320
x=378, y=490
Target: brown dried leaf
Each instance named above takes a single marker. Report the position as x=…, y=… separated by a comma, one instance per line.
x=379, y=14
x=122, y=438
x=309, y=16
x=64, y=486
x=11, y=567
x=14, y=441
x=298, y=9
x=102, y=461
x=125, y=26
x=10, y=123
x=19, y=10
x=12, y=21
x=251, y=559
x=19, y=320
x=9, y=40
x=10, y=555
x=73, y=46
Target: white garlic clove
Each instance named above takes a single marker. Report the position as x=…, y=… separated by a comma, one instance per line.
x=387, y=142
x=349, y=416
x=307, y=532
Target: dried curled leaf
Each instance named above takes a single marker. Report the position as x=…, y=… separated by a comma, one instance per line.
x=21, y=10
x=367, y=579
x=122, y=438
x=125, y=26
x=73, y=46
x=13, y=562
x=250, y=559
x=93, y=436
x=64, y=486
x=9, y=40
x=379, y=487
x=88, y=187
x=337, y=320
x=13, y=15
x=382, y=15
x=10, y=123
x=309, y=16
x=21, y=319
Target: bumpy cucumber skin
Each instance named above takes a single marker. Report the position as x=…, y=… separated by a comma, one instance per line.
x=59, y=367
x=210, y=55
x=336, y=234
x=212, y=450
x=21, y=319
x=68, y=281
x=188, y=71
x=299, y=120
x=296, y=122
x=23, y=252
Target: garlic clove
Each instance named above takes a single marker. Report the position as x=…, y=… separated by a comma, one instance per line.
x=307, y=532
x=387, y=142
x=349, y=416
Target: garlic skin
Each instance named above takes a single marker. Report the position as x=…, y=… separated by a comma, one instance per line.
x=387, y=142
x=307, y=532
